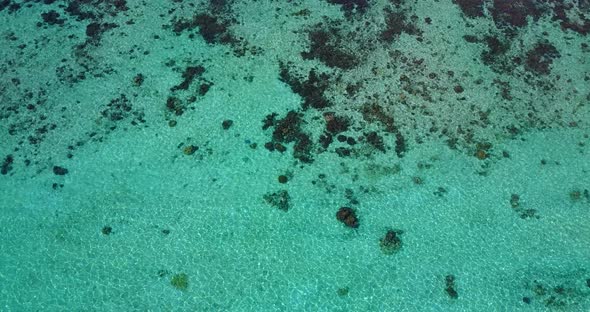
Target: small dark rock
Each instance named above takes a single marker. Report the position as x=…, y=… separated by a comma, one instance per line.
x=269, y=146
x=59, y=170
x=226, y=124
x=283, y=179
x=526, y=300
x=106, y=230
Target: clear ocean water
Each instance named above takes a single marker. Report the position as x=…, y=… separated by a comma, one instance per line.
x=313, y=155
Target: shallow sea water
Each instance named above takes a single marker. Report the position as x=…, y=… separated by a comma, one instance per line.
x=325, y=155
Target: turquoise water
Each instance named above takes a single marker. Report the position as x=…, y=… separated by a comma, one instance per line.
x=295, y=155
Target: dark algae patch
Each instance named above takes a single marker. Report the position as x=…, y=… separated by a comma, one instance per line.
x=7, y=164
x=311, y=89
x=539, y=59
x=324, y=46
x=450, y=287
x=280, y=200
x=180, y=281
x=391, y=242
x=559, y=292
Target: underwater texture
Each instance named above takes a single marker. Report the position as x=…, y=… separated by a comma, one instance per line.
x=286, y=155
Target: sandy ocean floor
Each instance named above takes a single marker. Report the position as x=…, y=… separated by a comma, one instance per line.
x=319, y=155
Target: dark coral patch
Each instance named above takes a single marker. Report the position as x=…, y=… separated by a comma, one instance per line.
x=7, y=164
x=174, y=104
x=514, y=13
x=471, y=8
x=376, y=141
x=374, y=112
x=279, y=200
x=325, y=47
x=211, y=28
x=496, y=49
x=287, y=130
x=189, y=74
x=52, y=18
x=568, y=20
x=94, y=31
x=302, y=148
x=335, y=124
x=57, y=170
x=95, y=9
x=397, y=23
x=4, y=4
x=391, y=242
x=311, y=90
x=117, y=109
x=347, y=216
x=350, y=6
x=539, y=59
